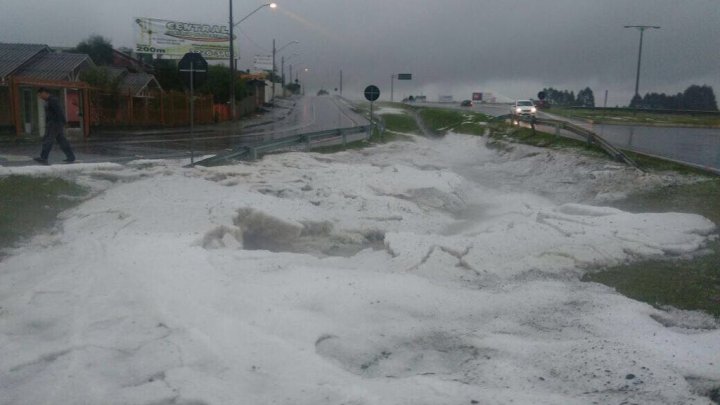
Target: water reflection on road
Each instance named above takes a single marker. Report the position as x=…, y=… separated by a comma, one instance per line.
x=699, y=146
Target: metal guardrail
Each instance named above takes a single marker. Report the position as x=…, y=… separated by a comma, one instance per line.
x=590, y=136
x=253, y=152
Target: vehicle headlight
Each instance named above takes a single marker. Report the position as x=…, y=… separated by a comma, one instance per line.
x=533, y=109
x=518, y=109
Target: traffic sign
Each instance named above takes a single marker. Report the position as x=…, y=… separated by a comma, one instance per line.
x=404, y=76
x=541, y=95
x=193, y=64
x=372, y=92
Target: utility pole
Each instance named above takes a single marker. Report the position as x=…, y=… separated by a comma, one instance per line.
x=642, y=29
x=341, y=83
x=272, y=76
x=282, y=69
x=232, y=65
x=605, y=102
x=392, y=86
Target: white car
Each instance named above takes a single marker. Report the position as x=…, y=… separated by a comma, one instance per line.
x=524, y=107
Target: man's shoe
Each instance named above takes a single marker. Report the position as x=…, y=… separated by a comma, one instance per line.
x=69, y=160
x=41, y=160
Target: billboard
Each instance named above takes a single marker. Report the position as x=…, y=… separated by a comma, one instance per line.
x=263, y=62
x=176, y=38
x=484, y=97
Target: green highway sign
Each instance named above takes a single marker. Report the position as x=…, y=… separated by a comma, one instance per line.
x=404, y=76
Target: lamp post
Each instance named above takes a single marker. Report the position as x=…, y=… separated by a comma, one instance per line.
x=232, y=25
x=275, y=51
x=282, y=67
x=642, y=29
x=297, y=79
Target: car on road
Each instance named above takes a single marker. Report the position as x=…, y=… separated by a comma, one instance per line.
x=466, y=103
x=523, y=108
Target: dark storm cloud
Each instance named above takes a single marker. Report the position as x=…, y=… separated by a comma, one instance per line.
x=510, y=46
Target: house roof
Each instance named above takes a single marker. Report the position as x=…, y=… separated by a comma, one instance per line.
x=121, y=59
x=14, y=56
x=55, y=66
x=136, y=82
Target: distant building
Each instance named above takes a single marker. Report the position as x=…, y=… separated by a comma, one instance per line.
x=26, y=67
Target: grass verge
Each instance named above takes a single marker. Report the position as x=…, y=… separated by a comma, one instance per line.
x=692, y=284
x=30, y=204
x=687, y=284
x=442, y=121
x=644, y=118
x=403, y=123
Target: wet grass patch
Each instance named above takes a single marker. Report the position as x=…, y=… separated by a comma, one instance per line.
x=624, y=117
x=29, y=204
x=442, y=121
x=509, y=133
x=403, y=123
x=692, y=284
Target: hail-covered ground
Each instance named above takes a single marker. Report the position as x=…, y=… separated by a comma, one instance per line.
x=421, y=272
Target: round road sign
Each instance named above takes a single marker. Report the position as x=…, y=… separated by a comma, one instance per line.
x=193, y=64
x=372, y=92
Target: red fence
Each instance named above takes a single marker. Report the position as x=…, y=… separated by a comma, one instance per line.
x=161, y=109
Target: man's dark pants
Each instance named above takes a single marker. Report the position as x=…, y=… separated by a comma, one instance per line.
x=55, y=133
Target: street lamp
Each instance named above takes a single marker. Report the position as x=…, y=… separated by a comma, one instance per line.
x=283, y=59
x=642, y=29
x=297, y=79
x=232, y=25
x=275, y=51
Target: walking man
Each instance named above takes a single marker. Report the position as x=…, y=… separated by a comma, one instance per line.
x=54, y=128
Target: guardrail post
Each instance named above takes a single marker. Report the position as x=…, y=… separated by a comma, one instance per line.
x=344, y=138
x=253, y=154
x=307, y=143
x=557, y=129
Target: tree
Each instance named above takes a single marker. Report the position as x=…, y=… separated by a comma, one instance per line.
x=585, y=98
x=167, y=74
x=102, y=78
x=700, y=98
x=636, y=102
x=559, y=98
x=218, y=84
x=99, y=49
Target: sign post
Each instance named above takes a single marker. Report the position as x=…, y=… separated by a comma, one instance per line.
x=193, y=70
x=400, y=76
x=372, y=93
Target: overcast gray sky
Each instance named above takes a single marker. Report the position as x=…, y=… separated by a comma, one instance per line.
x=452, y=47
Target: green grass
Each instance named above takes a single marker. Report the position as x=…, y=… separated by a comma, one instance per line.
x=442, y=121
x=629, y=117
x=30, y=204
x=687, y=284
x=403, y=123
x=501, y=132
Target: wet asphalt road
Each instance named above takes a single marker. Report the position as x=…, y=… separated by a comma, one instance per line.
x=289, y=117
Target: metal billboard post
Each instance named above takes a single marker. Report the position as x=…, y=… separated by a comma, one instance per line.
x=188, y=65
